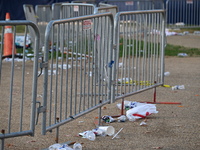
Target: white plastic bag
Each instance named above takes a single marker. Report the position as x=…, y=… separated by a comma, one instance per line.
x=141, y=111
x=129, y=104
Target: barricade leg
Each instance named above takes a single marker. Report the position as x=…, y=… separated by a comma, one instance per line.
x=2, y=140
x=154, y=100
x=122, y=109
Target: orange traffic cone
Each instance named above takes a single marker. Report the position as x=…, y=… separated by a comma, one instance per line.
x=8, y=40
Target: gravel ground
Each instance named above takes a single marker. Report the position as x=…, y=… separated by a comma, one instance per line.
x=174, y=127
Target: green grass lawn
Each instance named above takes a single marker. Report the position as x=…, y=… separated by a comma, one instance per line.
x=172, y=50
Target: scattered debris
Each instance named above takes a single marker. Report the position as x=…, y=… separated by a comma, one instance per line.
x=60, y=147
x=129, y=104
x=103, y=108
x=99, y=132
x=143, y=123
x=120, y=65
x=168, y=33
x=178, y=87
x=9, y=145
x=108, y=130
x=157, y=147
x=64, y=66
x=31, y=141
x=55, y=146
x=182, y=54
x=117, y=133
x=122, y=118
x=77, y=146
x=166, y=73
x=125, y=81
x=196, y=32
x=186, y=32
x=108, y=119
x=180, y=24
x=19, y=41
x=89, y=135
x=141, y=111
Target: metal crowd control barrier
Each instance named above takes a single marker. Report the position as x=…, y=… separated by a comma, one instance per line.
x=41, y=20
x=56, y=7
x=183, y=13
x=95, y=2
x=56, y=11
x=44, y=15
x=106, y=8
x=69, y=10
x=31, y=16
x=134, y=5
x=89, y=61
x=18, y=98
x=139, y=57
x=78, y=71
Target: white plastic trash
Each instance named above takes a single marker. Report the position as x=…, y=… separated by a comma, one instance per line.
x=77, y=146
x=89, y=135
x=166, y=73
x=122, y=118
x=109, y=130
x=55, y=146
x=98, y=131
x=178, y=87
x=130, y=104
x=182, y=54
x=58, y=146
x=141, y=111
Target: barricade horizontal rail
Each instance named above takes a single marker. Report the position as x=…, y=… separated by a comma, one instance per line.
x=183, y=13
x=78, y=71
x=95, y=2
x=134, y=5
x=18, y=79
x=139, y=54
x=107, y=8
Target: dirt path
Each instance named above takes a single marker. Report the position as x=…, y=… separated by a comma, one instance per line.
x=175, y=127
x=192, y=41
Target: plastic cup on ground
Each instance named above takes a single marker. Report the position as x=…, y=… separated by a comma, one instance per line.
x=109, y=130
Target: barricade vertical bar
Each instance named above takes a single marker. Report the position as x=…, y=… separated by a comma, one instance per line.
x=1, y=52
x=59, y=47
x=11, y=88
x=35, y=74
x=23, y=80
x=2, y=140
